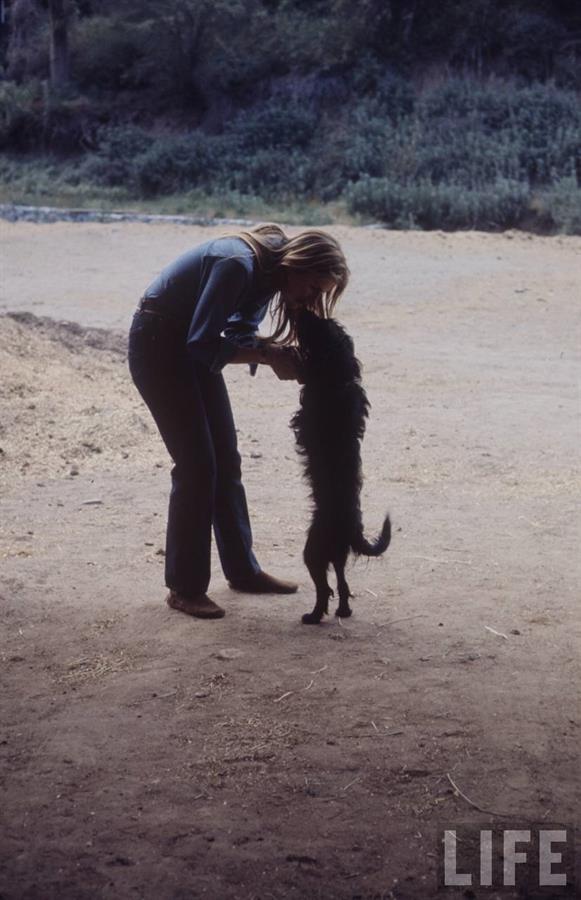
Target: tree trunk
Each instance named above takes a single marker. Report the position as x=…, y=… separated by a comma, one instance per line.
x=59, y=43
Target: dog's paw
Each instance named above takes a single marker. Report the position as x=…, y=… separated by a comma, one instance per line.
x=312, y=618
x=343, y=612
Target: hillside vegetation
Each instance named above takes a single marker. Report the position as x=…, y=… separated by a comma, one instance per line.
x=464, y=117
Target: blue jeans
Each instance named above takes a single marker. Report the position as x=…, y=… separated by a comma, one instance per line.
x=191, y=408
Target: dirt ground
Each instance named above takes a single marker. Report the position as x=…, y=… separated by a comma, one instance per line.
x=145, y=754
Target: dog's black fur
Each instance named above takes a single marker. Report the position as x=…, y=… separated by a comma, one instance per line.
x=328, y=429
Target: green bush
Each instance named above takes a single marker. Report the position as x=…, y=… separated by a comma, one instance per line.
x=284, y=126
x=460, y=133
x=447, y=207
x=33, y=119
x=546, y=128
x=150, y=165
x=260, y=153
x=559, y=207
x=106, y=52
x=21, y=114
x=459, y=154
x=175, y=163
x=531, y=134
x=392, y=97
x=113, y=162
x=271, y=173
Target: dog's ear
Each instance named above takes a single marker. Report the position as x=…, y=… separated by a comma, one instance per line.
x=308, y=329
x=306, y=319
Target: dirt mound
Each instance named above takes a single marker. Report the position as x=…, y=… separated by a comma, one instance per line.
x=66, y=401
x=71, y=335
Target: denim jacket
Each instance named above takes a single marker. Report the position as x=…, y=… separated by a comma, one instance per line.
x=214, y=289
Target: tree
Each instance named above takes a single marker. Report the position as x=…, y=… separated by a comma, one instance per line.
x=59, y=43
x=25, y=51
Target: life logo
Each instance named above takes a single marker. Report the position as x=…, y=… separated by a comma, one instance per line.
x=531, y=858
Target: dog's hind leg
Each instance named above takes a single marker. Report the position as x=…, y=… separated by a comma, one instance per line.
x=343, y=610
x=319, y=576
x=317, y=565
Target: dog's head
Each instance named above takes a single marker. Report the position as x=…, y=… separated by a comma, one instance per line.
x=327, y=350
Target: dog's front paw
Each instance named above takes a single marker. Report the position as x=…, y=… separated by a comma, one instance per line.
x=313, y=618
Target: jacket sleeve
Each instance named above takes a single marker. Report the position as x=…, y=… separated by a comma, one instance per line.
x=242, y=327
x=220, y=299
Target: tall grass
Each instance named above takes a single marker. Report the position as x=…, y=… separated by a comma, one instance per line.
x=462, y=154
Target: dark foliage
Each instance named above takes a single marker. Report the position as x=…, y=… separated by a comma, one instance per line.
x=467, y=118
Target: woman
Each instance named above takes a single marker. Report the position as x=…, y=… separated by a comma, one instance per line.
x=200, y=313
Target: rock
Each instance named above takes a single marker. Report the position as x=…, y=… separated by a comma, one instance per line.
x=15, y=213
x=229, y=653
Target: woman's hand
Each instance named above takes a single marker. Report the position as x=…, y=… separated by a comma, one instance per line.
x=285, y=362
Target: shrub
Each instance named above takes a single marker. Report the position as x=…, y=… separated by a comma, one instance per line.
x=271, y=173
x=449, y=207
x=32, y=119
x=106, y=52
x=531, y=133
x=559, y=207
x=460, y=133
x=21, y=114
x=460, y=154
x=175, y=163
x=150, y=164
x=113, y=163
x=392, y=97
x=545, y=125
x=285, y=126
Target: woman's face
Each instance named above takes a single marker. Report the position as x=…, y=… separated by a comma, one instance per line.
x=301, y=288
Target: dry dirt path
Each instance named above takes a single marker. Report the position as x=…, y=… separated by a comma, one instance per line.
x=140, y=757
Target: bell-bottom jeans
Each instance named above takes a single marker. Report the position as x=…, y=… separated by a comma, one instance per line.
x=191, y=408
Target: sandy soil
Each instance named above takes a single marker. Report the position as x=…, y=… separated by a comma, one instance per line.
x=148, y=755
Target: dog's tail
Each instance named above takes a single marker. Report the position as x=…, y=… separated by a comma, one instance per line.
x=367, y=548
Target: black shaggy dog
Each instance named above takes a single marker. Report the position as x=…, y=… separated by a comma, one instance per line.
x=328, y=429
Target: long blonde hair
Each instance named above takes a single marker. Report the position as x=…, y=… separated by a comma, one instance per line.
x=312, y=251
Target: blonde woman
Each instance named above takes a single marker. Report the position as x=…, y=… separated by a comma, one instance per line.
x=201, y=313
